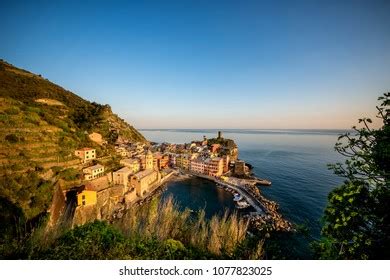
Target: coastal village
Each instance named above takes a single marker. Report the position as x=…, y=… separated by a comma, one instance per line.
x=145, y=168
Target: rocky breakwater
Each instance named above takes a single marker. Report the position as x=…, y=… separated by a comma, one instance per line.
x=271, y=220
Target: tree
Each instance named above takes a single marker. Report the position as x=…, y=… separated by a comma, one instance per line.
x=356, y=223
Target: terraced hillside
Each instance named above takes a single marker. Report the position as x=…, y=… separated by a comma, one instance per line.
x=41, y=124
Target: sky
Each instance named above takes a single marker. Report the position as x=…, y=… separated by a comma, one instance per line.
x=209, y=64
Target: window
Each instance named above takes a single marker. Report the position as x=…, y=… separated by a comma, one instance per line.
x=83, y=197
x=83, y=202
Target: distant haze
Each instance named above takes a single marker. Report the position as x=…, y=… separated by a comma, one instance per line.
x=209, y=64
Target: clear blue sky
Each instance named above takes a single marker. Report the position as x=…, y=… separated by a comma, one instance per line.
x=209, y=64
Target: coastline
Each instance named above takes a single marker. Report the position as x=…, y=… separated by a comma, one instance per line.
x=266, y=216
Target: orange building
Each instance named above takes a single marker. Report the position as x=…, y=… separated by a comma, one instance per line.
x=214, y=166
x=215, y=148
x=160, y=161
x=226, y=162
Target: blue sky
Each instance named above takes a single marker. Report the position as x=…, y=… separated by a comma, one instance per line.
x=209, y=64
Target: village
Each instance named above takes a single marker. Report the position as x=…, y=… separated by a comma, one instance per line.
x=145, y=167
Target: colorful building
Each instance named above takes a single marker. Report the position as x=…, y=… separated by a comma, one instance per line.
x=86, y=154
x=226, y=162
x=134, y=164
x=160, y=161
x=214, y=166
x=93, y=172
x=183, y=161
x=143, y=180
x=149, y=165
x=87, y=195
x=198, y=166
x=215, y=148
x=121, y=176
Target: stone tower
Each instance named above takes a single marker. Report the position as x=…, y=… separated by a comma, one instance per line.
x=149, y=161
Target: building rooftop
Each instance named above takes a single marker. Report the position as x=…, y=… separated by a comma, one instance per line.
x=97, y=166
x=124, y=170
x=88, y=187
x=130, y=160
x=85, y=149
x=143, y=174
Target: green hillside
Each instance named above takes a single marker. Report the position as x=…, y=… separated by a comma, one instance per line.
x=41, y=124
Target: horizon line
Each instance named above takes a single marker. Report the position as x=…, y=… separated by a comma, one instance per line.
x=251, y=128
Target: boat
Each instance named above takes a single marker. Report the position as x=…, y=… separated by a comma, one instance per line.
x=242, y=204
x=219, y=186
x=237, y=197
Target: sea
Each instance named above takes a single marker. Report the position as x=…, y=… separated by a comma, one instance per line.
x=295, y=161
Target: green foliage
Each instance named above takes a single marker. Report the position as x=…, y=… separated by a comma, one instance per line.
x=57, y=169
x=218, y=237
x=27, y=191
x=45, y=134
x=112, y=137
x=4, y=118
x=87, y=115
x=12, y=111
x=99, y=240
x=228, y=143
x=157, y=230
x=356, y=220
x=69, y=174
x=12, y=138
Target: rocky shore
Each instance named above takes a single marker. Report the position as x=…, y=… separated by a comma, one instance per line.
x=272, y=220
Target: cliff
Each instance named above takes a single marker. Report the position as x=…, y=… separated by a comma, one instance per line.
x=41, y=124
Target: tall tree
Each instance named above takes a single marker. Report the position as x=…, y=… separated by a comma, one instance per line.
x=356, y=223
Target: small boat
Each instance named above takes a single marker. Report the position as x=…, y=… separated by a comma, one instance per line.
x=242, y=204
x=237, y=197
x=219, y=186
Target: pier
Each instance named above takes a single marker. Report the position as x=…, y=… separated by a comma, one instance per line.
x=252, y=201
x=266, y=211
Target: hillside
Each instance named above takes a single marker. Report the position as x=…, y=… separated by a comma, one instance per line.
x=41, y=124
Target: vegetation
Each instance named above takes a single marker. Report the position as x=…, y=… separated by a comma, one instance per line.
x=357, y=220
x=42, y=124
x=28, y=192
x=229, y=143
x=155, y=231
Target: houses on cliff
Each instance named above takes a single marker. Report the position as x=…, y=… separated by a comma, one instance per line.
x=142, y=168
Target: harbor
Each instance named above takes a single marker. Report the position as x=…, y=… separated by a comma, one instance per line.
x=245, y=194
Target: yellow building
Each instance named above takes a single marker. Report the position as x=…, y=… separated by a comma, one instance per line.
x=149, y=161
x=87, y=196
x=133, y=164
x=184, y=162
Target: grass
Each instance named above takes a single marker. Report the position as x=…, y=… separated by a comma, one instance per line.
x=157, y=230
x=218, y=236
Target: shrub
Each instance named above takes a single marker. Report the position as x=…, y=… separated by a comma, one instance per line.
x=12, y=138
x=4, y=118
x=12, y=111
x=69, y=174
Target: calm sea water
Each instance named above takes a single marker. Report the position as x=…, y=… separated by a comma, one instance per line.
x=294, y=160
